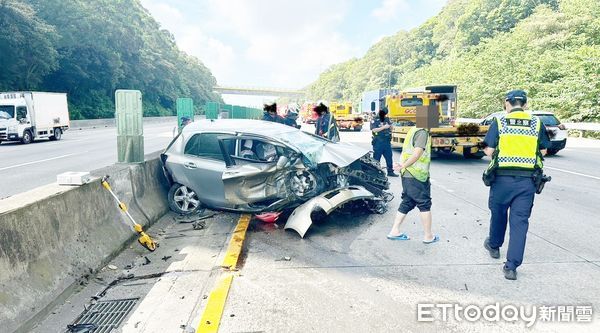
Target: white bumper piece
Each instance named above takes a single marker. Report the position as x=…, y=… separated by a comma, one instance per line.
x=300, y=219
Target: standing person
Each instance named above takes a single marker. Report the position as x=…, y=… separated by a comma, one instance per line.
x=271, y=113
x=290, y=118
x=184, y=121
x=381, y=129
x=516, y=142
x=325, y=125
x=416, y=188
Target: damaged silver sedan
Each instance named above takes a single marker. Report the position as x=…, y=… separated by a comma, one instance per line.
x=255, y=167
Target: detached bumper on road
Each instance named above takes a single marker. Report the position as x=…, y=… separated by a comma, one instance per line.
x=300, y=220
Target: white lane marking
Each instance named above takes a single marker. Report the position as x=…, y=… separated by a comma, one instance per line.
x=572, y=172
x=441, y=186
x=40, y=161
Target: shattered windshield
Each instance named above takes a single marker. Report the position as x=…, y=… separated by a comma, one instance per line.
x=7, y=111
x=310, y=145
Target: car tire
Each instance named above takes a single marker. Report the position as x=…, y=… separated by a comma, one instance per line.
x=57, y=135
x=27, y=137
x=304, y=184
x=183, y=200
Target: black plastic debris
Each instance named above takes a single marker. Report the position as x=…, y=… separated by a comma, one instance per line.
x=81, y=328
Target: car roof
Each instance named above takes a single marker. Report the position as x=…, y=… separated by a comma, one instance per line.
x=247, y=126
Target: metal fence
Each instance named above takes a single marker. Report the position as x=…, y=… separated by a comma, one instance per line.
x=214, y=110
x=581, y=128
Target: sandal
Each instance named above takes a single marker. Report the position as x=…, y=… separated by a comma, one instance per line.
x=435, y=239
x=399, y=237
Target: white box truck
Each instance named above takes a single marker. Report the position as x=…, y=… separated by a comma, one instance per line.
x=26, y=116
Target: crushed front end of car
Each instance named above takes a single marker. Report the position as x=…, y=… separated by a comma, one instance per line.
x=362, y=180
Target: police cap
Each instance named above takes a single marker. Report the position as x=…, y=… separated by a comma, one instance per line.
x=516, y=95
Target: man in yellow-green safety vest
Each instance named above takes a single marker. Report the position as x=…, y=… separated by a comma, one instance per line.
x=516, y=142
x=416, y=188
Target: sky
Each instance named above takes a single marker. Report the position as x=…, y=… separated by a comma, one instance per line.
x=282, y=43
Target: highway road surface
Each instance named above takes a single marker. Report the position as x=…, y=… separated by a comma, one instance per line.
x=345, y=276
x=24, y=167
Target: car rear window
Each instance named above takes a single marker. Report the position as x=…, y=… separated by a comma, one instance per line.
x=204, y=145
x=549, y=120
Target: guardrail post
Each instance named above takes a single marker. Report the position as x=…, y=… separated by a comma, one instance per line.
x=130, y=129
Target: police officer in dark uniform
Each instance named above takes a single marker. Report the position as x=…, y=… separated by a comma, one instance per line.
x=326, y=126
x=270, y=113
x=381, y=129
x=516, y=142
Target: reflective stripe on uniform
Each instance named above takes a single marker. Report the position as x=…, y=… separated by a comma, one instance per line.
x=518, y=144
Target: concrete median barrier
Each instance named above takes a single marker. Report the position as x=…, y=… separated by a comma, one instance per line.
x=110, y=122
x=53, y=238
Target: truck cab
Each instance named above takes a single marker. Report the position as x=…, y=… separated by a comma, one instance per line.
x=446, y=137
x=344, y=117
x=26, y=116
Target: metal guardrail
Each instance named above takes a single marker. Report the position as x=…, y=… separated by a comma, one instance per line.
x=583, y=127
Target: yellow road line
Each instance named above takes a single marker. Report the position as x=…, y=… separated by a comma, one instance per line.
x=215, y=305
x=235, y=244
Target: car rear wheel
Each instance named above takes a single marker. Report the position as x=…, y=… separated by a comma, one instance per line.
x=183, y=200
x=57, y=135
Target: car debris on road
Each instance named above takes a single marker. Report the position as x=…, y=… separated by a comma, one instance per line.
x=253, y=166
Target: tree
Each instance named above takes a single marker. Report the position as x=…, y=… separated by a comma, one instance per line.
x=27, y=52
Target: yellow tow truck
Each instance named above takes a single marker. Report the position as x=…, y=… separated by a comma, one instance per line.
x=345, y=119
x=447, y=137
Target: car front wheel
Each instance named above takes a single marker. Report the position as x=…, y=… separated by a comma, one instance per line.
x=183, y=200
x=27, y=137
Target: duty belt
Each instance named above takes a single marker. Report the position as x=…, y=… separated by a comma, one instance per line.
x=516, y=173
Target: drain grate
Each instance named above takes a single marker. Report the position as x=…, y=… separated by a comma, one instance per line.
x=106, y=315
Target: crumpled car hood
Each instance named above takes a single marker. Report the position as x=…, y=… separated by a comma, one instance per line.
x=340, y=154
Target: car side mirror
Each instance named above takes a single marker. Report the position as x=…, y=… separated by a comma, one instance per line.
x=282, y=162
x=23, y=120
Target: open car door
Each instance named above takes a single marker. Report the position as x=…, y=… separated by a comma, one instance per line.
x=257, y=176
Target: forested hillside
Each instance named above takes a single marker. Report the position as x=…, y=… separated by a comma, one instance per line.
x=551, y=48
x=89, y=49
